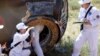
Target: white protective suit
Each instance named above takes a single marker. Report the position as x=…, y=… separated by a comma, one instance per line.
x=89, y=32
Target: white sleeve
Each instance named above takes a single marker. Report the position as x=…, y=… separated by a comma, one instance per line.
x=24, y=36
x=95, y=18
x=81, y=14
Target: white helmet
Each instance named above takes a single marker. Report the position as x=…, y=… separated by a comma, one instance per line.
x=84, y=1
x=21, y=26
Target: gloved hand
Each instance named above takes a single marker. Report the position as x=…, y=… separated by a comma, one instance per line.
x=30, y=28
x=87, y=22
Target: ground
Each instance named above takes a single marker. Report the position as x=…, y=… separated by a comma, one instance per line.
x=72, y=32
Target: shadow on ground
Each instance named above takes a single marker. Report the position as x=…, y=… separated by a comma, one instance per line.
x=62, y=48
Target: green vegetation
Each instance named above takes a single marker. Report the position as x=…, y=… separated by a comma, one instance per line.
x=72, y=31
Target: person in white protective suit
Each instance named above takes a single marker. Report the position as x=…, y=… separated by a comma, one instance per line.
x=90, y=29
x=19, y=39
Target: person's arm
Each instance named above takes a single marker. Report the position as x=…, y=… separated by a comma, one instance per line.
x=26, y=34
x=81, y=15
x=95, y=18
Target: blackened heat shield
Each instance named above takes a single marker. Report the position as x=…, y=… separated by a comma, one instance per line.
x=41, y=8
